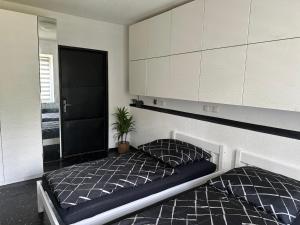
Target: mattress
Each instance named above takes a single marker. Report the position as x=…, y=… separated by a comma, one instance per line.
x=125, y=195
x=46, y=117
x=204, y=205
x=50, y=129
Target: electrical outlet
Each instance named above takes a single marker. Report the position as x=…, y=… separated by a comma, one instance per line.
x=206, y=108
x=159, y=102
x=215, y=109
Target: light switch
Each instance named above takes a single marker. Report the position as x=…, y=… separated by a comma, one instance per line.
x=215, y=109
x=206, y=108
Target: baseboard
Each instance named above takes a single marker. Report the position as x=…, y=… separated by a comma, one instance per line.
x=21, y=180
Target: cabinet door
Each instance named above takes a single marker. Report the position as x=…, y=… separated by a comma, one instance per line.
x=20, y=97
x=159, y=31
x=226, y=23
x=272, y=75
x=222, y=75
x=274, y=19
x=138, y=40
x=184, y=77
x=158, y=77
x=138, y=77
x=187, y=27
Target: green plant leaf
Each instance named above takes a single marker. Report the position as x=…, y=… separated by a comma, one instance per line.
x=124, y=124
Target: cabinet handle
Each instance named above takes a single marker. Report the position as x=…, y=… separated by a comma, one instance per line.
x=65, y=105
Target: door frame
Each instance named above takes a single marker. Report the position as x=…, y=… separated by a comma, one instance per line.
x=60, y=47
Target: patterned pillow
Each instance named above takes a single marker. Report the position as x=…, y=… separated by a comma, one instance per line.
x=174, y=152
x=273, y=193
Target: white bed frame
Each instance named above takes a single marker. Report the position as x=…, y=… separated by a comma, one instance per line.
x=217, y=151
x=249, y=159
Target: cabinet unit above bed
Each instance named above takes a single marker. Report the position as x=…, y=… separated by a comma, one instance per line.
x=158, y=77
x=222, y=75
x=226, y=23
x=184, y=76
x=138, y=77
x=272, y=75
x=238, y=52
x=187, y=27
x=138, y=41
x=274, y=19
x=150, y=38
x=159, y=30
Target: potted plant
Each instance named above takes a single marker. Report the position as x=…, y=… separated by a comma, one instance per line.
x=124, y=125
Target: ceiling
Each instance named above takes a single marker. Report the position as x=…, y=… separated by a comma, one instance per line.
x=115, y=11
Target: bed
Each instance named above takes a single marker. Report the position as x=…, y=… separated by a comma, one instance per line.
x=63, y=208
x=216, y=204
x=50, y=134
x=50, y=123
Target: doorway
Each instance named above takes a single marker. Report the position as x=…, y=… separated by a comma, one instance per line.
x=83, y=101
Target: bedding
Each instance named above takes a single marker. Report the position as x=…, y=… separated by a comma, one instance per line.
x=50, y=134
x=297, y=220
x=273, y=193
x=50, y=123
x=50, y=129
x=174, y=152
x=84, y=182
x=204, y=205
x=122, y=196
x=46, y=117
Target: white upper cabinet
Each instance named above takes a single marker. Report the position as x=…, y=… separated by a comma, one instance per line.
x=138, y=77
x=159, y=31
x=274, y=19
x=226, y=23
x=237, y=46
x=222, y=75
x=158, y=77
x=184, y=77
x=187, y=27
x=20, y=97
x=138, y=41
x=273, y=75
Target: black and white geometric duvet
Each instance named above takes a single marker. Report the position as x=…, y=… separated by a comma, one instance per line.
x=202, y=206
x=273, y=193
x=87, y=181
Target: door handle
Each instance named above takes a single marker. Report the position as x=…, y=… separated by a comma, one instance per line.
x=65, y=105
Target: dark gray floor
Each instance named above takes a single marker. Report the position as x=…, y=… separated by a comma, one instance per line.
x=18, y=205
x=18, y=202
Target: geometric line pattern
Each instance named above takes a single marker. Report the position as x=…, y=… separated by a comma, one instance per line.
x=267, y=191
x=204, y=205
x=174, y=152
x=87, y=181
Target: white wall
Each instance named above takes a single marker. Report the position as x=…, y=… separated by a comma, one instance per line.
x=87, y=33
x=268, y=117
x=152, y=125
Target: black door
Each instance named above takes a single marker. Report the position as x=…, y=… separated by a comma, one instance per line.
x=84, y=101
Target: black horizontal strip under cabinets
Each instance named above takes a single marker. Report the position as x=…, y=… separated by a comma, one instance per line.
x=232, y=123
